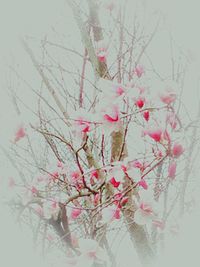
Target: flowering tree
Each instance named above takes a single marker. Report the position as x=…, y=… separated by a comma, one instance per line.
x=105, y=148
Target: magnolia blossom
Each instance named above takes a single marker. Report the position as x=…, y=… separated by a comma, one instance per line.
x=102, y=54
x=60, y=164
x=146, y=115
x=139, y=71
x=111, y=119
x=172, y=169
x=146, y=211
x=120, y=200
x=114, y=182
x=140, y=102
x=20, y=133
x=75, y=213
x=144, y=214
x=177, y=150
x=143, y=184
x=101, y=51
x=111, y=213
x=168, y=97
x=76, y=179
x=110, y=89
x=172, y=120
x=117, y=173
x=155, y=134
x=83, y=122
x=138, y=165
x=96, y=199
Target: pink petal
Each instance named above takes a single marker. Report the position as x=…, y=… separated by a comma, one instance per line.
x=168, y=97
x=166, y=136
x=20, y=134
x=139, y=71
x=120, y=91
x=136, y=164
x=155, y=134
x=60, y=164
x=146, y=208
x=143, y=184
x=124, y=201
x=114, y=182
x=95, y=174
x=140, y=102
x=177, y=150
x=75, y=213
x=172, y=169
x=34, y=190
x=111, y=119
x=96, y=199
x=146, y=115
x=116, y=214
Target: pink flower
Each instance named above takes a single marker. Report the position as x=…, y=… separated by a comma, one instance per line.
x=144, y=214
x=166, y=136
x=102, y=54
x=177, y=150
x=83, y=124
x=34, y=190
x=140, y=102
x=172, y=169
x=111, y=119
x=146, y=115
x=168, y=97
x=172, y=120
x=54, y=176
x=143, y=184
x=139, y=71
x=19, y=134
x=116, y=214
x=114, y=182
x=119, y=90
x=145, y=207
x=124, y=201
x=136, y=164
x=96, y=199
x=60, y=164
x=75, y=175
x=120, y=200
x=155, y=134
x=75, y=213
x=95, y=174
x=111, y=90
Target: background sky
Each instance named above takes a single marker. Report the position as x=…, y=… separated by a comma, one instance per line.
x=35, y=18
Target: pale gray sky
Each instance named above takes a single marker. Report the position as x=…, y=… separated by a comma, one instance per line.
x=35, y=17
